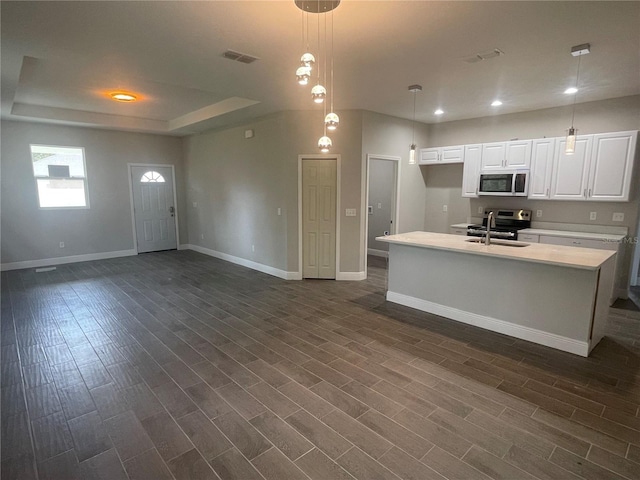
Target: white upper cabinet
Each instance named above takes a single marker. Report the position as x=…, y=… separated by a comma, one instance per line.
x=611, y=166
x=518, y=154
x=441, y=155
x=493, y=155
x=513, y=154
x=542, y=153
x=471, y=170
x=429, y=156
x=571, y=172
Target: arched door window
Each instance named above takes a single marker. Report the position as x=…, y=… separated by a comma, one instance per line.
x=152, y=177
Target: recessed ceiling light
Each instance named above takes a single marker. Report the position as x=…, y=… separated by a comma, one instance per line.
x=123, y=96
x=438, y=112
x=571, y=90
x=496, y=103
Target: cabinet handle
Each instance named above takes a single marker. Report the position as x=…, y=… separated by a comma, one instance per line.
x=589, y=192
x=547, y=192
x=585, y=193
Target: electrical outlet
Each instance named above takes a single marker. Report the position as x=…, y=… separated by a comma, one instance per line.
x=350, y=212
x=618, y=217
x=202, y=236
x=538, y=213
x=253, y=248
x=61, y=244
x=195, y=204
x=379, y=205
x=279, y=211
x=593, y=215
x=481, y=210
x=444, y=208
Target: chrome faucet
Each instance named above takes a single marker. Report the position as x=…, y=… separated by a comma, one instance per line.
x=491, y=223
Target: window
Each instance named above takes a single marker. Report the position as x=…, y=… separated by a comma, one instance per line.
x=61, y=176
x=152, y=177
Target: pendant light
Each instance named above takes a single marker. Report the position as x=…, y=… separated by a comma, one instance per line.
x=331, y=120
x=308, y=62
x=570, y=143
x=412, y=150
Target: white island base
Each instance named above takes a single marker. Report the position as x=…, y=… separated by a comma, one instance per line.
x=551, y=295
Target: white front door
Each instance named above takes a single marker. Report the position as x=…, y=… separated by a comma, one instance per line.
x=154, y=210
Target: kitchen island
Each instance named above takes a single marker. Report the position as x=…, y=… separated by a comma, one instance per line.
x=553, y=295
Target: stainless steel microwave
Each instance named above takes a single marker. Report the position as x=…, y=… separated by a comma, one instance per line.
x=512, y=183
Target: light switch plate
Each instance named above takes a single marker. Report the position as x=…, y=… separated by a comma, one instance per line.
x=538, y=213
x=444, y=208
x=480, y=209
x=350, y=212
x=593, y=215
x=279, y=211
x=618, y=217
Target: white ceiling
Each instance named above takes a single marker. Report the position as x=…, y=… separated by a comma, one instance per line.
x=59, y=59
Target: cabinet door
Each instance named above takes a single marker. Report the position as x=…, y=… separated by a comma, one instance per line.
x=541, y=168
x=611, y=165
x=518, y=154
x=452, y=154
x=570, y=172
x=493, y=155
x=578, y=242
x=471, y=170
x=429, y=156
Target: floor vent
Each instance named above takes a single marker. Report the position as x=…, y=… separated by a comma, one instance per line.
x=239, y=57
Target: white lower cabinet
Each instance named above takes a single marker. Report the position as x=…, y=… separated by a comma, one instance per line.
x=529, y=238
x=457, y=231
x=578, y=242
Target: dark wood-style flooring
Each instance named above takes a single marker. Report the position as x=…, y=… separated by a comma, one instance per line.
x=177, y=365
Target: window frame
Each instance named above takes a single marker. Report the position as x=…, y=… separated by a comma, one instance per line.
x=85, y=179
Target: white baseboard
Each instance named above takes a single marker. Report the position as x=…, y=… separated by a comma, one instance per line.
x=377, y=253
x=46, y=262
x=243, y=262
x=351, y=276
x=525, y=333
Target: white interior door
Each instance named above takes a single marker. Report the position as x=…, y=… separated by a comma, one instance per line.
x=319, y=218
x=154, y=210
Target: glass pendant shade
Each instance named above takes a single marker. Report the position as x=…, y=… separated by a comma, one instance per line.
x=331, y=121
x=412, y=154
x=303, y=74
x=307, y=60
x=318, y=93
x=324, y=144
x=570, y=146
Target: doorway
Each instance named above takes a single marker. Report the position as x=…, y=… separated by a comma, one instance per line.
x=319, y=181
x=382, y=202
x=153, y=204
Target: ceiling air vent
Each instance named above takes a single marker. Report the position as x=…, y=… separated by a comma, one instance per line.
x=239, y=57
x=478, y=57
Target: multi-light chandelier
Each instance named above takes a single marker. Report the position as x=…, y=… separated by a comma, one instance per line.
x=308, y=62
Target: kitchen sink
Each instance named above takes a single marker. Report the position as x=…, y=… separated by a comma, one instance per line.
x=502, y=243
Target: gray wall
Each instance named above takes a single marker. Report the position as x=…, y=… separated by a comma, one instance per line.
x=443, y=182
x=385, y=135
x=240, y=183
x=29, y=233
x=381, y=192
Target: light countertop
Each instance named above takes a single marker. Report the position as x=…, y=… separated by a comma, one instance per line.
x=574, y=257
